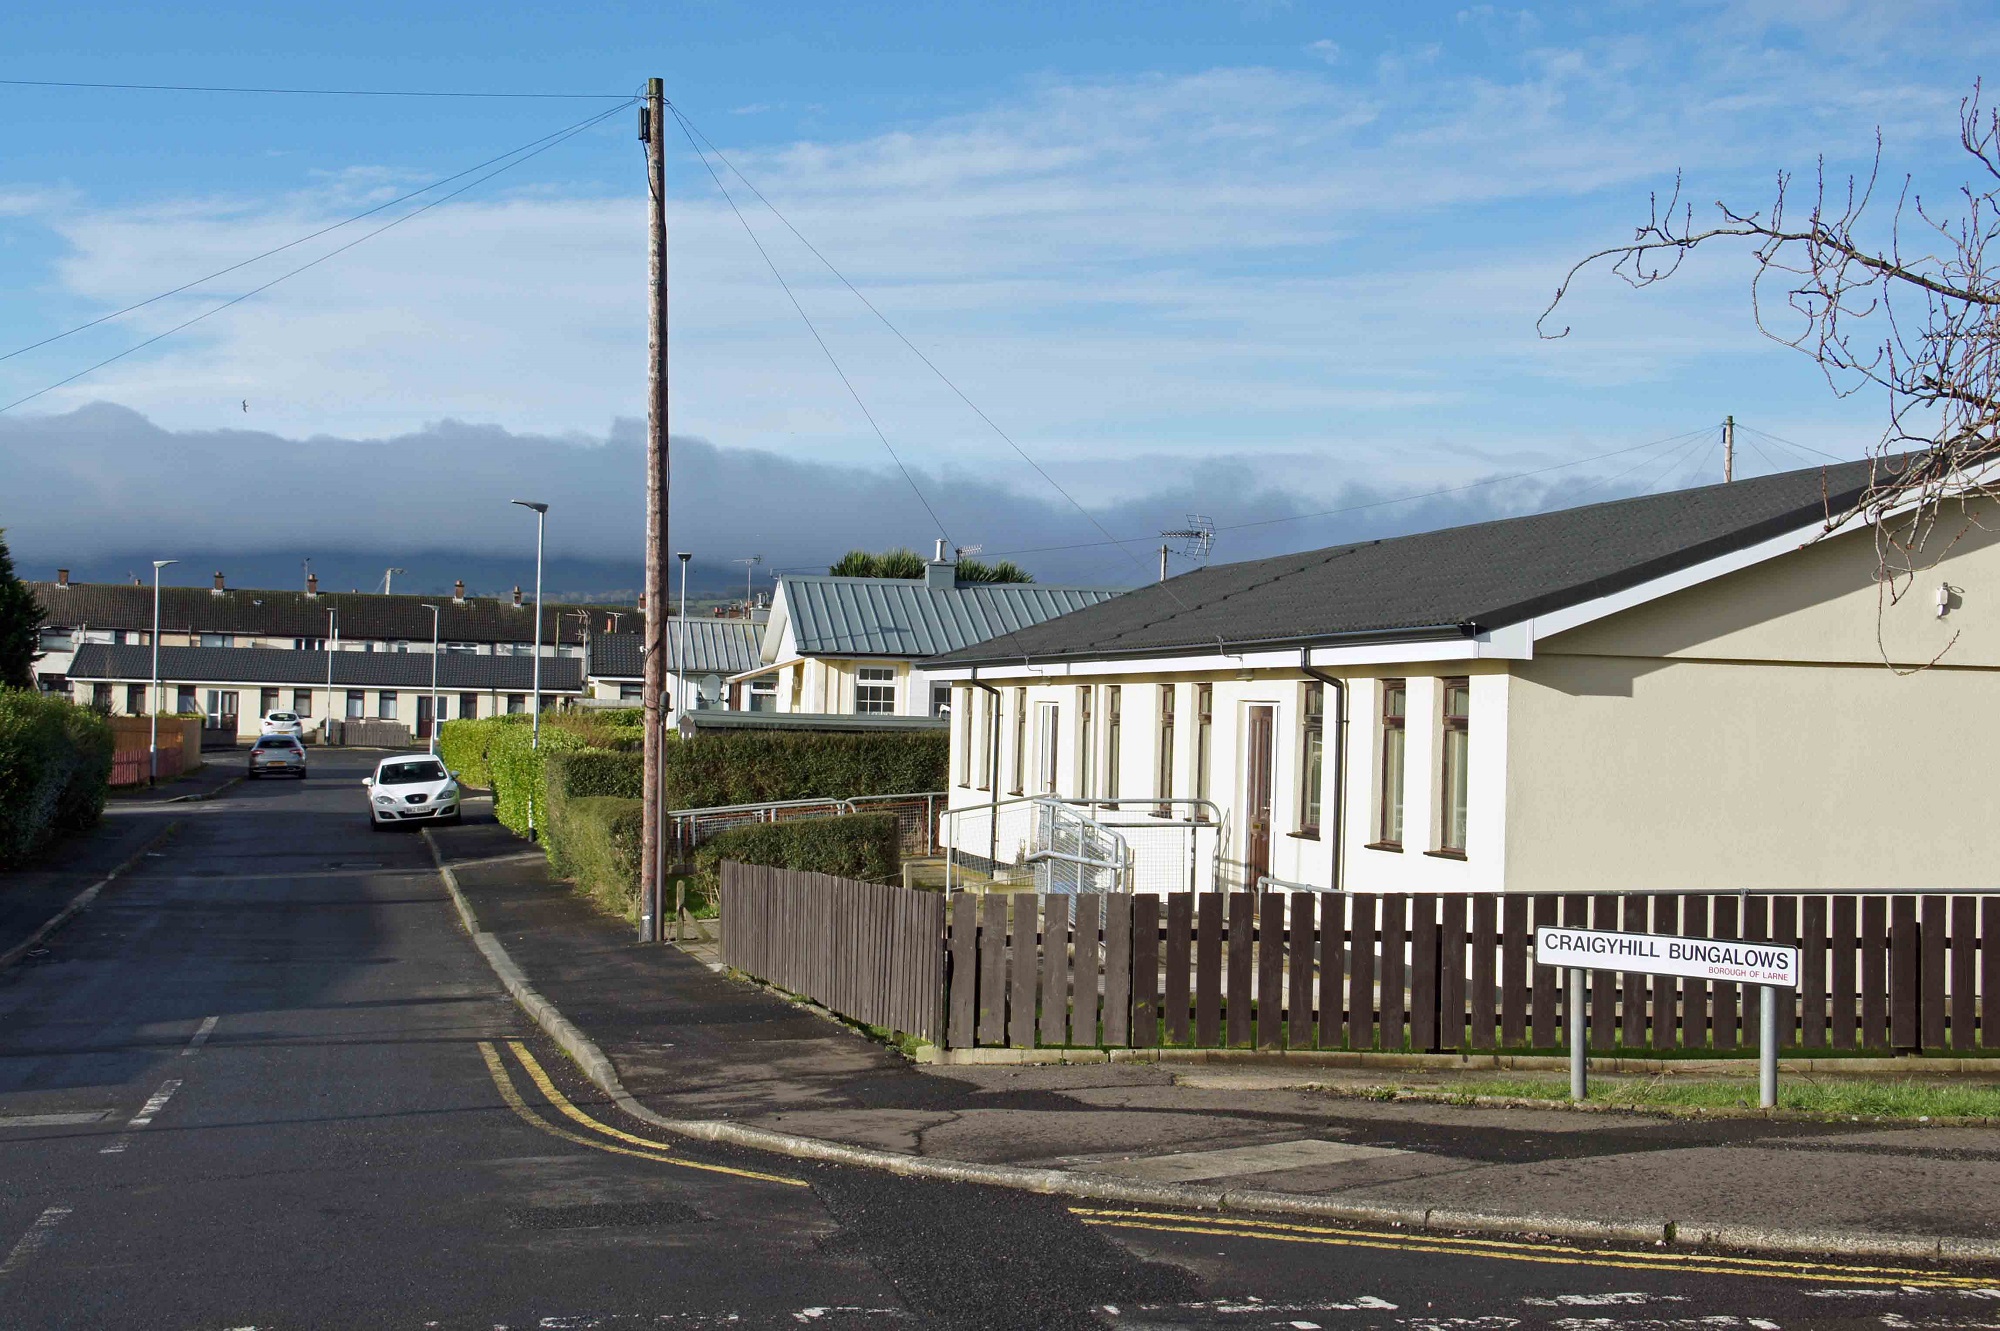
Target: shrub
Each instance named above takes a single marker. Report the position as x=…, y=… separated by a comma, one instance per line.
x=463, y=745
x=593, y=840
x=863, y=845
x=589, y=772
x=750, y=767
x=517, y=770
x=55, y=767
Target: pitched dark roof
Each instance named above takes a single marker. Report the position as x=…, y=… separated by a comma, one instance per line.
x=117, y=605
x=1456, y=581
x=714, y=647
x=271, y=665
x=694, y=722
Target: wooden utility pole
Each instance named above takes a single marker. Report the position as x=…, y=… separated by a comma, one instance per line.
x=652, y=839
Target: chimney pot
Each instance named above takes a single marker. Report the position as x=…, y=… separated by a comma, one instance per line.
x=458, y=592
x=517, y=597
x=219, y=588
x=312, y=584
x=642, y=600
x=62, y=577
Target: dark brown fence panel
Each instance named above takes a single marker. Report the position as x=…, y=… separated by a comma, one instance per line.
x=1989, y=971
x=1727, y=922
x=1145, y=971
x=1546, y=982
x=1083, y=1028
x=1812, y=972
x=1022, y=976
x=1931, y=941
x=1905, y=1032
x=1755, y=928
x=1391, y=967
x=1242, y=934
x=1117, y=971
x=1843, y=950
x=1964, y=967
x=1481, y=992
x=1270, y=968
x=1515, y=985
x=1664, y=991
x=1423, y=972
x=1208, y=970
x=1874, y=948
x=1604, y=983
x=1333, y=955
x=1180, y=934
x=1299, y=935
x=1055, y=971
x=1361, y=977
x=993, y=971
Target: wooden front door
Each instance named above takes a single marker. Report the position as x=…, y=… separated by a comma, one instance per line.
x=1257, y=795
x=423, y=716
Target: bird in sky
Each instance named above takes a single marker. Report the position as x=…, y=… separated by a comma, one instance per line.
x=246, y=404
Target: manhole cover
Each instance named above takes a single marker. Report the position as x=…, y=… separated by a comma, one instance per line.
x=604, y=1215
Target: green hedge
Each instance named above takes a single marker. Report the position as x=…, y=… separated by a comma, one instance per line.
x=55, y=768
x=463, y=746
x=593, y=840
x=750, y=767
x=597, y=772
x=863, y=845
x=517, y=770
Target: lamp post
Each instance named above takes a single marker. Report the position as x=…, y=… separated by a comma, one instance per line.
x=433, y=737
x=332, y=645
x=153, y=745
x=681, y=647
x=535, y=720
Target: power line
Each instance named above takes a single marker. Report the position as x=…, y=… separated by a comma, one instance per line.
x=810, y=326
x=690, y=129
x=293, y=244
x=1803, y=448
x=564, y=137
x=315, y=92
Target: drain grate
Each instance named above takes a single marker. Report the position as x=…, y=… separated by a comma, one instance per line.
x=605, y=1215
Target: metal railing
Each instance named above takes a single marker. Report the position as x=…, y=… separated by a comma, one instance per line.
x=1032, y=841
x=1177, y=844
x=916, y=818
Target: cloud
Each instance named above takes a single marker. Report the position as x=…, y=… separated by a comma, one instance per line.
x=1325, y=49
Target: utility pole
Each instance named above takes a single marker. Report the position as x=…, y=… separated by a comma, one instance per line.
x=1728, y=449
x=652, y=835
x=1163, y=562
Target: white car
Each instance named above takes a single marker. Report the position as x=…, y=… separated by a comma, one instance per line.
x=411, y=788
x=283, y=723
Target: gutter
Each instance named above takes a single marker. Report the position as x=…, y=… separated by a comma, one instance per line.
x=1421, y=633
x=1338, y=830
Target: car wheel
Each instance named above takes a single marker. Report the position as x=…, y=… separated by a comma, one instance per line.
x=374, y=823
x=455, y=817
x=250, y=775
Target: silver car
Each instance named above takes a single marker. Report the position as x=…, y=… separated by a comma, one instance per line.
x=411, y=788
x=277, y=755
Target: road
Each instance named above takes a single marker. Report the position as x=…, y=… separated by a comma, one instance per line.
x=265, y=1081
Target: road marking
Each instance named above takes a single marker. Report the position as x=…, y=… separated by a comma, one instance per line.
x=654, y=1151
x=200, y=1036
x=1804, y=1269
x=147, y=1113
x=53, y=1120
x=34, y=1240
x=1193, y=1166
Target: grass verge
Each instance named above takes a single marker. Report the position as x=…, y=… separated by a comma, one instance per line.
x=1820, y=1097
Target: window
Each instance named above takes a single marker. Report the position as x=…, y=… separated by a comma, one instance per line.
x=184, y=703
x=1020, y=739
x=135, y=699
x=302, y=702
x=55, y=640
x=1114, y=734
x=357, y=704
x=1204, y=736
x=1163, y=777
x=100, y=697
x=988, y=724
x=1395, y=711
x=764, y=694
x=385, y=705
x=798, y=676
x=631, y=693
x=875, y=691
x=461, y=648
x=1048, y=717
x=218, y=640
x=1452, y=770
x=308, y=644
x=941, y=699
x=468, y=706
x=1312, y=753
x=965, y=740
x=267, y=701
x=402, y=645
x=1086, y=743
x=517, y=703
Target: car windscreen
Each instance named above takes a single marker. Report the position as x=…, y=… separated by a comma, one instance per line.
x=281, y=717
x=403, y=774
x=284, y=744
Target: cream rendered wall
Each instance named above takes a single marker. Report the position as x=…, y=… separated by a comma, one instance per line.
x=1745, y=734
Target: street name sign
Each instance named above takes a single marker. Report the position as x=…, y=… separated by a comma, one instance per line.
x=1721, y=959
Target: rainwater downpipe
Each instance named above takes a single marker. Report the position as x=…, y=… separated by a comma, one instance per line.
x=1339, y=801
x=992, y=766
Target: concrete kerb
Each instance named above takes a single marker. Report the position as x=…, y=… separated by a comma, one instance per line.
x=198, y=797
x=1087, y=1187
x=81, y=901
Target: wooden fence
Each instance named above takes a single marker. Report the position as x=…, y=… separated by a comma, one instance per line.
x=1437, y=972
x=872, y=952
x=1385, y=972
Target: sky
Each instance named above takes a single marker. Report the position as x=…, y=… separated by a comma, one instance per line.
x=1248, y=260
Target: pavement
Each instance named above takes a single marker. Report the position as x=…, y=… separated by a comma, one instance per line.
x=695, y=1046
x=267, y=1080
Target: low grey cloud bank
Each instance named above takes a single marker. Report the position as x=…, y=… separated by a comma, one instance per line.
x=105, y=480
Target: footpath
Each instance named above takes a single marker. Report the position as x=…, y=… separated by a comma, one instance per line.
x=38, y=897
x=708, y=1056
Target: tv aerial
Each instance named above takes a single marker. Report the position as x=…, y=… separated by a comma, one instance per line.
x=1195, y=537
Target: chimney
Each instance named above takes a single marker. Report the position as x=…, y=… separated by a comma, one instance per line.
x=312, y=584
x=62, y=577
x=642, y=602
x=218, y=589
x=458, y=592
x=941, y=574
x=517, y=596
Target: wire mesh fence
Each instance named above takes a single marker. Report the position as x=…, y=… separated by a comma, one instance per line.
x=916, y=818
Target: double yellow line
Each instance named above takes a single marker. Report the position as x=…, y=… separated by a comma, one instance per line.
x=1168, y=1222
x=606, y=1138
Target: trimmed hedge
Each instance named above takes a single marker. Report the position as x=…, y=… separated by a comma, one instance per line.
x=593, y=840
x=750, y=767
x=463, y=744
x=518, y=771
x=863, y=845
x=55, y=769
x=596, y=772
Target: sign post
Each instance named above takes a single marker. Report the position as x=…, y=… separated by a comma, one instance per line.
x=1773, y=967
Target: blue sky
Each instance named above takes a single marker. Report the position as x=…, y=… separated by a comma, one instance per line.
x=1299, y=246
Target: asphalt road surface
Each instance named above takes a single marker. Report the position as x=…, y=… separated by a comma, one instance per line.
x=266, y=1081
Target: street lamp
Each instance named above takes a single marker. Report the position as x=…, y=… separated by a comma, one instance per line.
x=535, y=721
x=434, y=679
x=153, y=746
x=680, y=648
